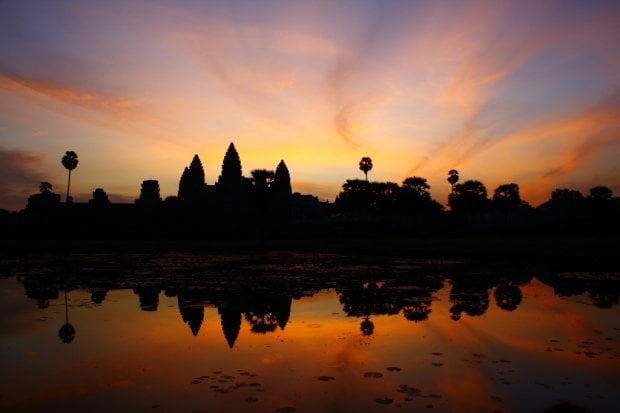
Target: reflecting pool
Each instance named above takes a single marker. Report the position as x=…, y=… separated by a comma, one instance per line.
x=302, y=332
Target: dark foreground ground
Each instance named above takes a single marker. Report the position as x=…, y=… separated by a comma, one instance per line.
x=569, y=252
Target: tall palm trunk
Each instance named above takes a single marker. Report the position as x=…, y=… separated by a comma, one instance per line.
x=68, y=186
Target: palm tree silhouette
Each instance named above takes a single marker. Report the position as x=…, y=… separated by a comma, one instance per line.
x=453, y=177
x=365, y=166
x=45, y=188
x=69, y=161
x=67, y=331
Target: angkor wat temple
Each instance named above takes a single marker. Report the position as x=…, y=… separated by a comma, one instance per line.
x=233, y=206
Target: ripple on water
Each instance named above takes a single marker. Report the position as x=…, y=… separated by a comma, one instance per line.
x=373, y=375
x=393, y=368
x=384, y=400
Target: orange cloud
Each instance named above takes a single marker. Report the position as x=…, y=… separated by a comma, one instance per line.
x=82, y=98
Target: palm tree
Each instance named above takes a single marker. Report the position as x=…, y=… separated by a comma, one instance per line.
x=453, y=177
x=366, y=166
x=45, y=188
x=69, y=161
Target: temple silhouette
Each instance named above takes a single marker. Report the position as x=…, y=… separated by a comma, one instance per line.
x=263, y=206
x=234, y=205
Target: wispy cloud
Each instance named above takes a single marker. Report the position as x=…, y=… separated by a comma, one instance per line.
x=586, y=134
x=355, y=84
x=118, y=114
x=67, y=94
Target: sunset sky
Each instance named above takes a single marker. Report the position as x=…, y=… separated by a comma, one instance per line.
x=523, y=91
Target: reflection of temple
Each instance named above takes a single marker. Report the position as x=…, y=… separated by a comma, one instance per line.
x=192, y=310
x=149, y=297
x=264, y=313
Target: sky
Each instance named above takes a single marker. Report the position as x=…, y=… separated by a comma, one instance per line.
x=503, y=91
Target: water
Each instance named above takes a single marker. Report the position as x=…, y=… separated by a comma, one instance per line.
x=302, y=332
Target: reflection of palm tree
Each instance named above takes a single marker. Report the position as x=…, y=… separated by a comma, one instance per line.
x=367, y=327
x=67, y=331
x=69, y=161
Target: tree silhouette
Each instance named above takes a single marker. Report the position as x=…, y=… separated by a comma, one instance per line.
x=453, y=177
x=355, y=197
x=70, y=162
x=506, y=198
x=67, y=331
x=601, y=193
x=566, y=195
x=44, y=200
x=366, y=166
x=262, y=179
x=418, y=186
x=468, y=198
x=45, y=188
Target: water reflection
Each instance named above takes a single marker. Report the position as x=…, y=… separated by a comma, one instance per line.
x=264, y=300
x=317, y=332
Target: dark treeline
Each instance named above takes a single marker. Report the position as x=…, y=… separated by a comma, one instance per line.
x=264, y=206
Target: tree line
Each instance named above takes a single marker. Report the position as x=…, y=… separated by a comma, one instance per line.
x=472, y=207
